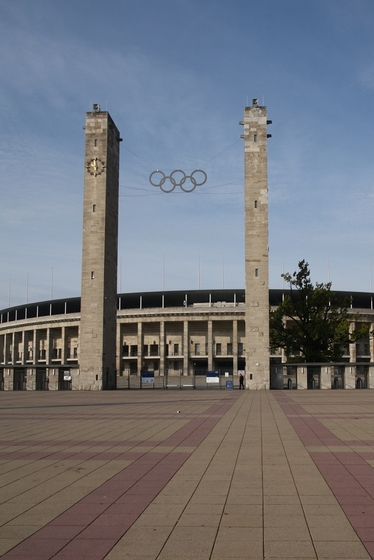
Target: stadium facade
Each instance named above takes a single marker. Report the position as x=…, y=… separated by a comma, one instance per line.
x=177, y=335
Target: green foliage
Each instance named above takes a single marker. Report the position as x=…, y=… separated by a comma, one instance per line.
x=312, y=323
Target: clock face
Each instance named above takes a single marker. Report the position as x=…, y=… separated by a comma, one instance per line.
x=95, y=167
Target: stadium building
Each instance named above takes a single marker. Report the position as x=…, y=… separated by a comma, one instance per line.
x=176, y=339
x=171, y=338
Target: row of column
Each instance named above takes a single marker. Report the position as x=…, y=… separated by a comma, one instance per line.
x=32, y=378
x=186, y=355
x=11, y=347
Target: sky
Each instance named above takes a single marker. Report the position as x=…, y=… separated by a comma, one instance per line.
x=175, y=75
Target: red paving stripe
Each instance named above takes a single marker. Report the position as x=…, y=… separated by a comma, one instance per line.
x=72, y=443
x=93, y=526
x=348, y=475
x=72, y=455
x=60, y=417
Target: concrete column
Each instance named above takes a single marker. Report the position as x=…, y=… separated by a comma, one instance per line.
x=30, y=379
x=352, y=346
x=48, y=349
x=325, y=377
x=371, y=342
x=350, y=377
x=8, y=379
x=210, y=345
x=63, y=345
x=13, y=347
x=186, y=348
x=34, y=347
x=302, y=377
x=24, y=346
x=119, y=361
x=53, y=379
x=162, y=347
x=370, y=380
x=235, y=347
x=140, y=347
x=352, y=358
x=7, y=348
x=2, y=348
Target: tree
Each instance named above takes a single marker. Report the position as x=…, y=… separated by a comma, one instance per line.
x=312, y=323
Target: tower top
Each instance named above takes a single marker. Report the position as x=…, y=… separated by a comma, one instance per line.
x=255, y=105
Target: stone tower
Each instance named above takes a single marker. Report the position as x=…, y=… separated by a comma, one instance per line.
x=257, y=352
x=97, y=352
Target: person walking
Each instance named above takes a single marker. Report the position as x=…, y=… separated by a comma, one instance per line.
x=241, y=381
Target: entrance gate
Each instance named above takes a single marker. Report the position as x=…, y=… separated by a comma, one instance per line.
x=41, y=381
x=19, y=380
x=64, y=379
x=314, y=377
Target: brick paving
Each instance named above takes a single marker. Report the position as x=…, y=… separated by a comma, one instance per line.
x=232, y=475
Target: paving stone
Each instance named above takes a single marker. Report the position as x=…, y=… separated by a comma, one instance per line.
x=242, y=475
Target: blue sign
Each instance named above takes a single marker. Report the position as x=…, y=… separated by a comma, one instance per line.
x=212, y=377
x=148, y=377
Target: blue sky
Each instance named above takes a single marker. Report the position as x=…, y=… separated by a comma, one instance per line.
x=175, y=76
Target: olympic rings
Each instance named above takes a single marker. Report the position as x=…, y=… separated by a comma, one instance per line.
x=178, y=178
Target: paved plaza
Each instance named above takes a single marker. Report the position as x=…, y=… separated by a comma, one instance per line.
x=208, y=475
